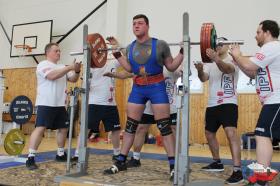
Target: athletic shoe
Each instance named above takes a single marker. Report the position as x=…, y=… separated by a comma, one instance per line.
x=214, y=167
x=30, y=163
x=62, y=158
x=74, y=159
x=235, y=178
x=258, y=173
x=117, y=167
x=172, y=172
x=133, y=163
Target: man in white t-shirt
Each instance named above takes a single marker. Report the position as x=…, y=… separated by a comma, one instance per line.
x=51, y=101
x=222, y=108
x=102, y=105
x=265, y=68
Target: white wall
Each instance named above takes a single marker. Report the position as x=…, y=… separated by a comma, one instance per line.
x=236, y=19
x=64, y=13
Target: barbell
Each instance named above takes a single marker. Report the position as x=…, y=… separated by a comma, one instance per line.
x=208, y=39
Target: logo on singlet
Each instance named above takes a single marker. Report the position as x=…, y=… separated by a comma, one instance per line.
x=263, y=81
x=228, y=84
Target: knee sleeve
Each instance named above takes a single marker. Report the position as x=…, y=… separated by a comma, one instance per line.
x=131, y=125
x=164, y=126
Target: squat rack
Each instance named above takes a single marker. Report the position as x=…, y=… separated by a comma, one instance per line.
x=182, y=160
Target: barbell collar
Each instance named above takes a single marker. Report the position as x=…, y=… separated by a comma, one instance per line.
x=229, y=42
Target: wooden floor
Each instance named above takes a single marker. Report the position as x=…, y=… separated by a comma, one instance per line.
x=49, y=144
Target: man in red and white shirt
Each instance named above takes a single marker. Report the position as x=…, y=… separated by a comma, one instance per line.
x=265, y=68
x=222, y=109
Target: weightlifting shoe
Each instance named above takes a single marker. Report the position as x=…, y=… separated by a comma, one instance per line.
x=133, y=163
x=117, y=167
x=30, y=163
x=62, y=158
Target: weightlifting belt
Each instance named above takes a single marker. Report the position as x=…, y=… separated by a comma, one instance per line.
x=147, y=80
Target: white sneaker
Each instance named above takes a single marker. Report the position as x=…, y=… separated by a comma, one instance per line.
x=256, y=167
x=257, y=172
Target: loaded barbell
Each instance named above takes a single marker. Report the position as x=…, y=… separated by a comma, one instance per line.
x=208, y=39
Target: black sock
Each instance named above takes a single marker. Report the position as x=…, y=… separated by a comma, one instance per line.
x=171, y=161
x=217, y=160
x=121, y=158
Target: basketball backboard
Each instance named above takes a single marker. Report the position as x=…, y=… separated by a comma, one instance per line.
x=35, y=35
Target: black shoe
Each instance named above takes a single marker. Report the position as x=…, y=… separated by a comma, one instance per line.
x=30, y=163
x=172, y=175
x=235, y=178
x=214, y=167
x=133, y=163
x=62, y=158
x=117, y=167
x=74, y=159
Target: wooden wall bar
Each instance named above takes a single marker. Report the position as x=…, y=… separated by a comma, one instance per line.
x=23, y=82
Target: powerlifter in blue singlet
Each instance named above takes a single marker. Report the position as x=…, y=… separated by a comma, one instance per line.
x=149, y=81
x=145, y=58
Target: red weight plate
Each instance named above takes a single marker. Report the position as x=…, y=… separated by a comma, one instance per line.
x=208, y=41
x=98, y=59
x=205, y=41
x=202, y=41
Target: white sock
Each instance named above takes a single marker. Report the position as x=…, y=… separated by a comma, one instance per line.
x=76, y=153
x=236, y=168
x=60, y=151
x=136, y=155
x=116, y=151
x=32, y=153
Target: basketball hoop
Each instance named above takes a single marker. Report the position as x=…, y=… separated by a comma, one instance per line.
x=23, y=50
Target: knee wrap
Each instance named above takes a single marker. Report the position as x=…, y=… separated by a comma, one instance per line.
x=164, y=126
x=131, y=125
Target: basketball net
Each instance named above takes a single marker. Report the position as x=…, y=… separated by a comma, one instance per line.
x=23, y=50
